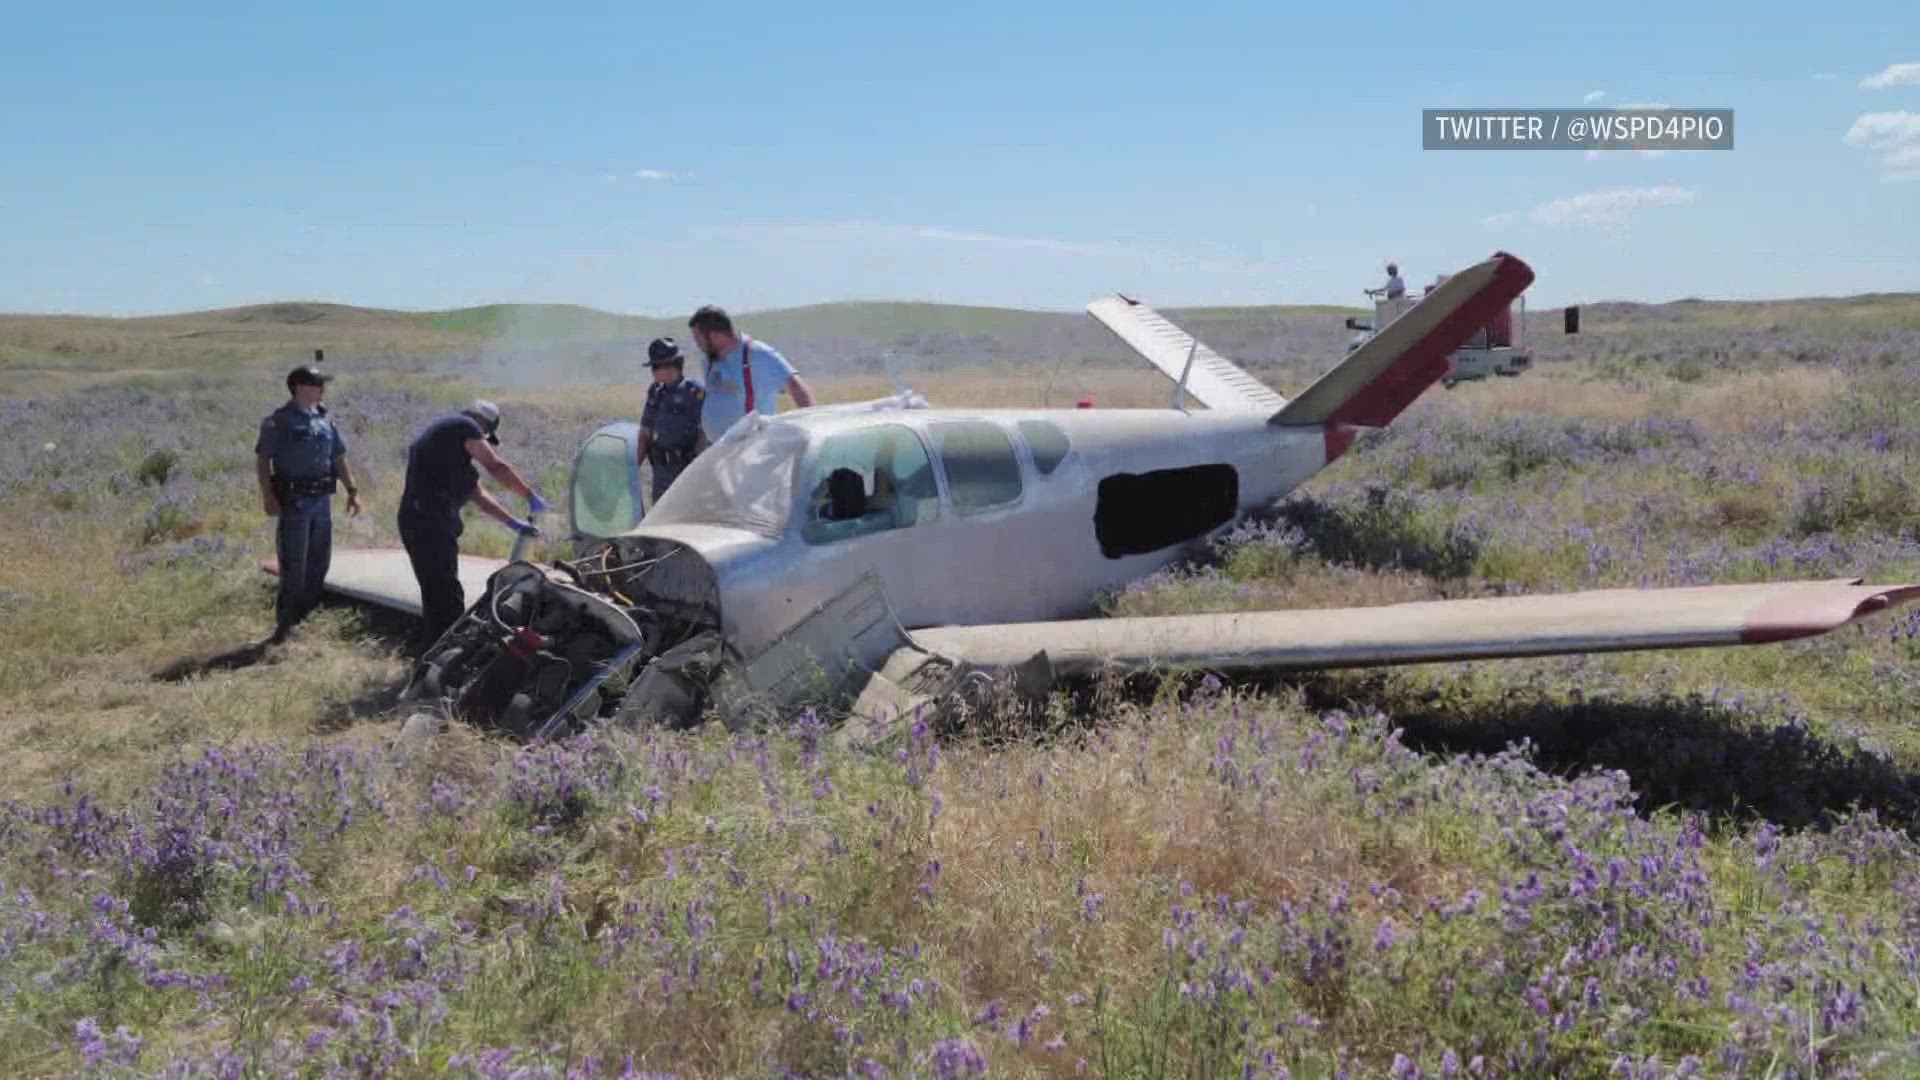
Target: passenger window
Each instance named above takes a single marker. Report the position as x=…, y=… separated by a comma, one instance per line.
x=603, y=487
x=1047, y=443
x=979, y=462
x=869, y=481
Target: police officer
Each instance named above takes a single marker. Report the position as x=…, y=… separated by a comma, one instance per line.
x=299, y=456
x=441, y=478
x=670, y=431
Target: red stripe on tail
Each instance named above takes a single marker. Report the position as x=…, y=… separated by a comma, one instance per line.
x=1390, y=392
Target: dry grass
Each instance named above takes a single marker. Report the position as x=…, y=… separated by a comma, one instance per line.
x=1127, y=815
x=1006, y=388
x=78, y=667
x=1553, y=392
x=1740, y=403
x=1797, y=396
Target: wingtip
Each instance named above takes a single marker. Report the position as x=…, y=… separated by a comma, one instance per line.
x=1817, y=608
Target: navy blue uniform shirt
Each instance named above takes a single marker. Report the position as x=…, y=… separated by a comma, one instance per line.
x=300, y=444
x=440, y=474
x=673, y=413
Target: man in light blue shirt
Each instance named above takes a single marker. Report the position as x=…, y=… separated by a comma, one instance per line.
x=726, y=380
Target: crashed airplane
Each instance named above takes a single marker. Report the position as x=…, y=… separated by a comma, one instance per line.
x=881, y=556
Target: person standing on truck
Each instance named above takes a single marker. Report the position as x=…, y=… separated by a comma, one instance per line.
x=299, y=458
x=441, y=478
x=1394, y=288
x=742, y=375
x=670, y=431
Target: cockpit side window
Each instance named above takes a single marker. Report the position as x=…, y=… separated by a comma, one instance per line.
x=1046, y=442
x=982, y=472
x=869, y=481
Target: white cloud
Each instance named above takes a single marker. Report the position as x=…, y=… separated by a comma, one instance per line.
x=1609, y=206
x=1035, y=243
x=1894, y=75
x=641, y=174
x=1593, y=96
x=1894, y=137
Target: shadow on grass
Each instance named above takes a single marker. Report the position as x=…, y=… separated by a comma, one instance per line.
x=231, y=660
x=375, y=701
x=381, y=629
x=1679, y=752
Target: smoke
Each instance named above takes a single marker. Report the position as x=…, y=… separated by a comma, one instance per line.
x=542, y=345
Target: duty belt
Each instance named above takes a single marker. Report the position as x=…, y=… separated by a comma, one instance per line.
x=668, y=457
x=304, y=485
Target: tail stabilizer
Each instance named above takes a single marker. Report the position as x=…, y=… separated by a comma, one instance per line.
x=1381, y=378
x=1212, y=379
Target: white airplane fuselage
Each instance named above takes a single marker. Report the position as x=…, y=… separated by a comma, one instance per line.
x=1134, y=491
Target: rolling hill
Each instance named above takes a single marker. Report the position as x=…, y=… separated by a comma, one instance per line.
x=564, y=342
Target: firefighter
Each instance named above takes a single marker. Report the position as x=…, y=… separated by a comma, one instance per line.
x=441, y=478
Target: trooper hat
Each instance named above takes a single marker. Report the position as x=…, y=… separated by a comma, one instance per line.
x=307, y=375
x=489, y=416
x=664, y=350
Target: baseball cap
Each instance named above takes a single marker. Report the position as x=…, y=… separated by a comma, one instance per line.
x=307, y=375
x=663, y=350
x=489, y=416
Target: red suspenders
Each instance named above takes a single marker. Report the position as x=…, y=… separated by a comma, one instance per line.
x=746, y=370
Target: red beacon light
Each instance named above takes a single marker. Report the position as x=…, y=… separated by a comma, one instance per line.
x=1084, y=403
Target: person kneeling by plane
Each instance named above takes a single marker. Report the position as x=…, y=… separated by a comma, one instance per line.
x=670, y=431
x=441, y=478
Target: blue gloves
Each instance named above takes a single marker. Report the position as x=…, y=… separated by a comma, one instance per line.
x=524, y=528
x=536, y=505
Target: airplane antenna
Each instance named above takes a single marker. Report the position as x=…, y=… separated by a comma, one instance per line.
x=1061, y=337
x=1180, y=388
x=886, y=361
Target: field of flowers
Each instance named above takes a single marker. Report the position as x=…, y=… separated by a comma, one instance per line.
x=1698, y=863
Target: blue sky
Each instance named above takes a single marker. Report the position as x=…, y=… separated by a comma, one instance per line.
x=648, y=158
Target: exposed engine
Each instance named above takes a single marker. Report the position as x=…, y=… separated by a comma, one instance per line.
x=628, y=633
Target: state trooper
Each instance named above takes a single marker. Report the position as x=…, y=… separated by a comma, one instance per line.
x=299, y=458
x=441, y=478
x=670, y=431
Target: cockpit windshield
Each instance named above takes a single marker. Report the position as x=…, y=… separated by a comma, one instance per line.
x=743, y=481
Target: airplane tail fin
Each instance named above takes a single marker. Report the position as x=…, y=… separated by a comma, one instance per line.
x=1211, y=379
x=1381, y=378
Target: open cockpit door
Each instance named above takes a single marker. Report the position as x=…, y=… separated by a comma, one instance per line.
x=603, y=498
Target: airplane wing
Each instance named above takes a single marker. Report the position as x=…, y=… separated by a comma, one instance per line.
x=1215, y=381
x=384, y=576
x=1608, y=620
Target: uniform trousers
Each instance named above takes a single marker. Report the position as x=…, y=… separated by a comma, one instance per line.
x=432, y=539
x=303, y=542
